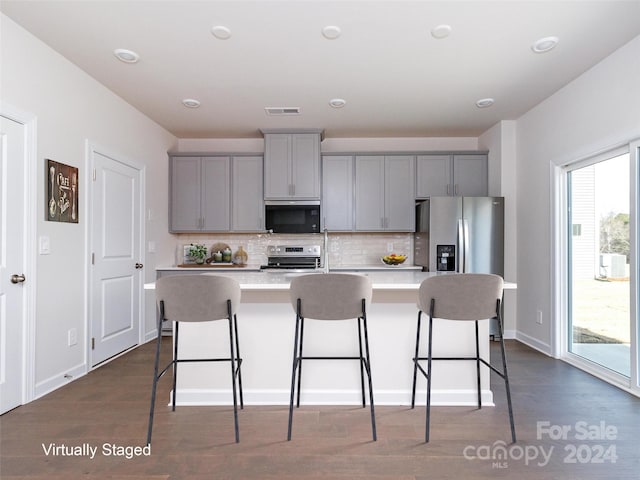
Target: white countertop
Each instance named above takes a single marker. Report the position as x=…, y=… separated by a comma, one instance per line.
x=390, y=279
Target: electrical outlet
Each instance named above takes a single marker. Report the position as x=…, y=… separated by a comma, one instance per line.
x=72, y=337
x=389, y=247
x=539, y=317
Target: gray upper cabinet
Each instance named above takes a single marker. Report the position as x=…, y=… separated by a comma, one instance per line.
x=384, y=193
x=199, y=194
x=201, y=189
x=337, y=193
x=292, y=166
x=247, y=206
x=452, y=175
x=471, y=175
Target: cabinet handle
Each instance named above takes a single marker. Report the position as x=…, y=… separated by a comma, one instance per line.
x=448, y=189
x=456, y=189
x=293, y=189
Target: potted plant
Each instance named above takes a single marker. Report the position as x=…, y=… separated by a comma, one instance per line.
x=198, y=252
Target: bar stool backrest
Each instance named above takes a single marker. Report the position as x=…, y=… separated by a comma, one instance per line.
x=197, y=298
x=465, y=296
x=331, y=296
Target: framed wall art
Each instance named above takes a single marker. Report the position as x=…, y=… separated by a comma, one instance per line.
x=62, y=192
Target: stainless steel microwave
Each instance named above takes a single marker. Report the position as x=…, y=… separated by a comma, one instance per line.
x=282, y=216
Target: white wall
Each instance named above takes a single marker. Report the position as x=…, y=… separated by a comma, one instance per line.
x=596, y=111
x=500, y=140
x=334, y=144
x=72, y=108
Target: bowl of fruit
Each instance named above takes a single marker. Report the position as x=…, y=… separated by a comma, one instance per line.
x=393, y=259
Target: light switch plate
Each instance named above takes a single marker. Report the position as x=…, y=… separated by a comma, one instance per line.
x=44, y=245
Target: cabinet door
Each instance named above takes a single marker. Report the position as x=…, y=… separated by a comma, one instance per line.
x=277, y=162
x=247, y=206
x=400, y=204
x=184, y=194
x=470, y=173
x=369, y=185
x=215, y=194
x=337, y=193
x=305, y=165
x=433, y=176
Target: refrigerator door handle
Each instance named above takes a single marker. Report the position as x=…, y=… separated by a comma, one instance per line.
x=460, y=241
x=465, y=256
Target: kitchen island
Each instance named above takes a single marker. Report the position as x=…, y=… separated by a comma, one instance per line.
x=266, y=322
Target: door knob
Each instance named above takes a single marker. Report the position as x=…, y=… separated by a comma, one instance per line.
x=139, y=266
x=15, y=278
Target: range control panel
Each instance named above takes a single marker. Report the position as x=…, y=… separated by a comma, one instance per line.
x=293, y=250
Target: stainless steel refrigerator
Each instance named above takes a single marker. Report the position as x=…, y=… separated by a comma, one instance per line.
x=460, y=234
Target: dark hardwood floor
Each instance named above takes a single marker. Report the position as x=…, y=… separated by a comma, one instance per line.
x=110, y=406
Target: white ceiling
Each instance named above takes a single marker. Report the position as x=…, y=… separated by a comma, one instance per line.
x=397, y=79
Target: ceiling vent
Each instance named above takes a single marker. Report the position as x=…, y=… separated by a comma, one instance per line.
x=282, y=110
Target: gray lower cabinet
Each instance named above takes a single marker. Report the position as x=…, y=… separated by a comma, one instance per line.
x=337, y=193
x=384, y=193
x=201, y=190
x=292, y=166
x=440, y=175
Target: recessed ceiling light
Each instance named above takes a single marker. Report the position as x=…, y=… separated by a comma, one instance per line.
x=544, y=44
x=484, y=102
x=337, y=102
x=441, y=31
x=126, y=56
x=221, y=32
x=331, y=32
x=191, y=103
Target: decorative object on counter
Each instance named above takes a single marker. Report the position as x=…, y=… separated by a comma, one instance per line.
x=217, y=255
x=240, y=257
x=198, y=252
x=393, y=259
x=226, y=255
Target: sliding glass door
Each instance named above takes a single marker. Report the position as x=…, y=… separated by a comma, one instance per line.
x=599, y=267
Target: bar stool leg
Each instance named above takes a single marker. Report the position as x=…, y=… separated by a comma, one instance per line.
x=238, y=361
x=293, y=372
x=155, y=380
x=429, y=362
x=478, y=367
x=366, y=346
x=233, y=372
x=415, y=362
x=506, y=379
x=175, y=367
x=301, y=339
x=362, y=363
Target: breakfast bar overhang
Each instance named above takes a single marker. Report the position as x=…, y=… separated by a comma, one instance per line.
x=266, y=322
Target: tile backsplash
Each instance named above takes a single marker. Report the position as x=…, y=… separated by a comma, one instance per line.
x=345, y=248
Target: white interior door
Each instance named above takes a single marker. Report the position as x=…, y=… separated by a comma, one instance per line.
x=116, y=282
x=12, y=262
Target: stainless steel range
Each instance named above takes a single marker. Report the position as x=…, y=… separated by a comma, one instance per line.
x=293, y=257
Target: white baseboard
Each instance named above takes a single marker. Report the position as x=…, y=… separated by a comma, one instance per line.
x=59, y=380
x=534, y=343
x=510, y=334
x=192, y=397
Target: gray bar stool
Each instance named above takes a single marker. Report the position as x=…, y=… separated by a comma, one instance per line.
x=465, y=297
x=331, y=296
x=198, y=298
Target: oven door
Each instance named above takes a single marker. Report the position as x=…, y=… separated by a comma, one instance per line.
x=292, y=217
